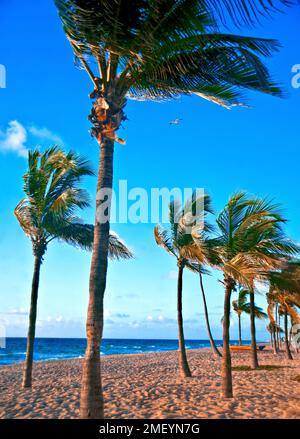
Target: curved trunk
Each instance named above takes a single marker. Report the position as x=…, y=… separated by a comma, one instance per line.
x=226, y=357
x=91, y=399
x=286, y=337
x=27, y=372
x=183, y=362
x=240, y=330
x=295, y=318
x=211, y=339
x=254, y=357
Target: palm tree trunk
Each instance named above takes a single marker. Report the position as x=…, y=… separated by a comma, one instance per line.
x=279, y=336
x=226, y=357
x=91, y=399
x=253, y=331
x=183, y=362
x=294, y=345
x=286, y=337
x=240, y=330
x=211, y=339
x=27, y=372
x=290, y=332
x=277, y=332
x=275, y=347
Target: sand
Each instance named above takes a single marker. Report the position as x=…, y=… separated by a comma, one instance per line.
x=147, y=386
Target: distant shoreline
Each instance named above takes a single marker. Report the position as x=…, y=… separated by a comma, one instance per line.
x=55, y=349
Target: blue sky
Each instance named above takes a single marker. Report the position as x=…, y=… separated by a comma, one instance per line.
x=46, y=101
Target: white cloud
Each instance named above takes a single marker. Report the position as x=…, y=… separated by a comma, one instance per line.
x=14, y=139
x=108, y=314
x=44, y=133
x=172, y=274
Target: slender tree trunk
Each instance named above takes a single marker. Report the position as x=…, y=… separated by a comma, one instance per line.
x=275, y=347
x=240, y=330
x=290, y=332
x=278, y=342
x=226, y=357
x=211, y=339
x=271, y=335
x=286, y=337
x=254, y=357
x=183, y=362
x=278, y=332
x=27, y=372
x=91, y=400
x=294, y=345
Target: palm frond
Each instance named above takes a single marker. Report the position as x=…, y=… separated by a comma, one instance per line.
x=163, y=239
x=117, y=249
x=159, y=50
x=249, y=12
x=82, y=235
x=53, y=195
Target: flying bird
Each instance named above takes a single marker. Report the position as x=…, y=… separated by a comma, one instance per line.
x=175, y=121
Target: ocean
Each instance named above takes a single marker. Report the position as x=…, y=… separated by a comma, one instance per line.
x=46, y=349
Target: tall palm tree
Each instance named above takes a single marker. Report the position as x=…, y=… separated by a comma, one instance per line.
x=241, y=305
x=242, y=253
x=274, y=329
x=153, y=50
x=179, y=242
x=285, y=292
x=273, y=326
x=53, y=195
x=267, y=247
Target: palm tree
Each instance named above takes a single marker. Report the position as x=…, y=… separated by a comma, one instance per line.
x=284, y=293
x=149, y=50
x=243, y=251
x=179, y=242
x=53, y=195
x=274, y=329
x=241, y=305
x=267, y=247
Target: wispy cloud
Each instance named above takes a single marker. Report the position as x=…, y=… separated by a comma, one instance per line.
x=16, y=312
x=44, y=133
x=127, y=296
x=14, y=139
x=108, y=314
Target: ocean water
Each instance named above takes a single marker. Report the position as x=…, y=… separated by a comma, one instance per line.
x=65, y=348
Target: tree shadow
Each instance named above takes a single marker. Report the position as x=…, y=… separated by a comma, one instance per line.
x=244, y=368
